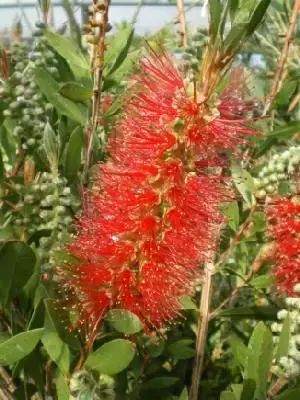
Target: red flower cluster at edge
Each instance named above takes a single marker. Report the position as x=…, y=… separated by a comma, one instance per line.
x=284, y=220
x=153, y=212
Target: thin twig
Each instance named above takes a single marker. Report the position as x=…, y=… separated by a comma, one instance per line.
x=280, y=69
x=202, y=330
x=224, y=256
x=100, y=20
x=182, y=22
x=49, y=377
x=89, y=344
x=196, y=3
x=263, y=255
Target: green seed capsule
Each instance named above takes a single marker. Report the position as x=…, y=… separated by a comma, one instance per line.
x=7, y=113
x=49, y=107
x=261, y=194
x=29, y=199
x=280, y=167
x=270, y=188
x=273, y=178
x=31, y=142
x=60, y=210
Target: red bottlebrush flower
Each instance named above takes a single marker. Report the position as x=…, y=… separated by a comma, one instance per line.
x=152, y=215
x=284, y=220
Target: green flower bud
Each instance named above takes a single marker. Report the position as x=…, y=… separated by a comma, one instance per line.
x=280, y=167
x=7, y=113
x=285, y=155
x=31, y=142
x=29, y=198
x=261, y=194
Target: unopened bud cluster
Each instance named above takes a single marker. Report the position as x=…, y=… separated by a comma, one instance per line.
x=96, y=21
x=25, y=104
x=45, y=205
x=87, y=384
x=279, y=168
x=289, y=364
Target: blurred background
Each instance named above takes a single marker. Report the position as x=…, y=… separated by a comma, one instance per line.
x=152, y=15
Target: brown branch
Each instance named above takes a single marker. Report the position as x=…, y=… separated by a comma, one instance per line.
x=182, y=22
x=89, y=344
x=202, y=330
x=275, y=389
x=99, y=25
x=7, y=379
x=280, y=69
x=49, y=378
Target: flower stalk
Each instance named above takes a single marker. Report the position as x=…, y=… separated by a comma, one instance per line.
x=182, y=22
x=283, y=57
x=98, y=26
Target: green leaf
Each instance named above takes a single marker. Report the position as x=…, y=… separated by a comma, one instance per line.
x=286, y=92
x=17, y=261
x=50, y=88
x=293, y=394
x=182, y=349
x=244, y=183
x=242, y=13
x=7, y=141
x=184, y=395
x=124, y=321
x=233, y=6
x=259, y=359
x=237, y=389
x=60, y=323
x=57, y=350
x=284, y=338
x=112, y=358
x=257, y=15
x=187, y=303
x=267, y=313
x=75, y=91
x=18, y=346
x=215, y=10
x=118, y=42
x=262, y=281
x=231, y=210
x=239, y=350
x=286, y=131
x=226, y=395
x=249, y=388
x=62, y=388
x=72, y=54
x=73, y=154
x=122, y=54
x=162, y=382
x=51, y=146
x=234, y=37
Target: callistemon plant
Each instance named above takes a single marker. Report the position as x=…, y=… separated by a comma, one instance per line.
x=152, y=214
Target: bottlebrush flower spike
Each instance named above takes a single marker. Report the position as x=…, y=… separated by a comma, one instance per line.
x=284, y=220
x=153, y=212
